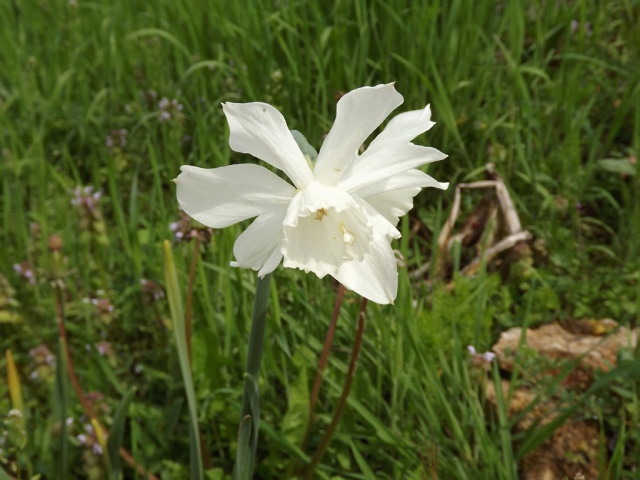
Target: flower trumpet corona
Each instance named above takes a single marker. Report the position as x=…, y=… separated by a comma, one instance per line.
x=340, y=214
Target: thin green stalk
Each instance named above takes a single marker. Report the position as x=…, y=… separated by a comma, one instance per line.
x=250, y=415
x=188, y=310
x=342, y=403
x=178, y=320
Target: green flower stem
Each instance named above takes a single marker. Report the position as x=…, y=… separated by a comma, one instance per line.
x=342, y=403
x=258, y=324
x=245, y=459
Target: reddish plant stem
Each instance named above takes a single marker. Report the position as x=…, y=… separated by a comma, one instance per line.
x=322, y=363
x=126, y=456
x=342, y=403
x=72, y=373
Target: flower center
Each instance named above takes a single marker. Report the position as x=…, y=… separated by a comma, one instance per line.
x=324, y=228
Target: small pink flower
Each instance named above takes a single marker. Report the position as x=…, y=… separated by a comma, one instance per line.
x=480, y=358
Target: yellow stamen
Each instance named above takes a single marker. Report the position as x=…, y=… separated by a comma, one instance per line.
x=320, y=213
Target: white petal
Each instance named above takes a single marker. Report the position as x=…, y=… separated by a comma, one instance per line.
x=260, y=130
x=271, y=262
x=403, y=128
x=376, y=276
x=375, y=166
x=410, y=178
x=380, y=224
x=393, y=197
x=359, y=113
x=395, y=204
x=324, y=227
x=258, y=247
x=219, y=197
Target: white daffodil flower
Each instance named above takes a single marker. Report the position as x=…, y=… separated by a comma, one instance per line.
x=341, y=212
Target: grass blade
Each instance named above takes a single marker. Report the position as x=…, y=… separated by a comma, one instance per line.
x=116, y=434
x=13, y=380
x=178, y=321
x=4, y=475
x=510, y=464
x=243, y=463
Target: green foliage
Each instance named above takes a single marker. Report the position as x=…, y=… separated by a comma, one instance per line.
x=462, y=314
x=294, y=420
x=549, y=92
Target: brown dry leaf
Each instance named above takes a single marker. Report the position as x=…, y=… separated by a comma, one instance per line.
x=490, y=229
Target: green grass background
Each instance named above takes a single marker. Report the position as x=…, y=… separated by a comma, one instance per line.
x=554, y=104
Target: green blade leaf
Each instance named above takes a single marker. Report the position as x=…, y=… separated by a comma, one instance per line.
x=116, y=434
x=4, y=475
x=243, y=456
x=178, y=321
